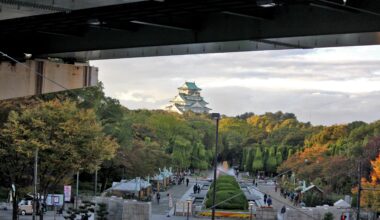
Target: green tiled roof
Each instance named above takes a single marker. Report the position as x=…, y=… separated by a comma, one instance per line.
x=192, y=86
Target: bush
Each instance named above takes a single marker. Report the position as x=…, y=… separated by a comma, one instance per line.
x=227, y=187
x=312, y=199
x=328, y=216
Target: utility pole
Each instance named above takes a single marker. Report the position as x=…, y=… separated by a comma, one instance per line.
x=359, y=189
x=77, y=192
x=96, y=182
x=35, y=184
x=215, y=116
x=95, y=191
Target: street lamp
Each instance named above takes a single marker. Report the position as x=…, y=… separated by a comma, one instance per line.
x=35, y=184
x=215, y=116
x=189, y=201
x=359, y=189
x=250, y=204
x=77, y=191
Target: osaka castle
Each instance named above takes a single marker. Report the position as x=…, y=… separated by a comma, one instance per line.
x=188, y=99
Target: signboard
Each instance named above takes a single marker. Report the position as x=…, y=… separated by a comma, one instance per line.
x=67, y=193
x=54, y=200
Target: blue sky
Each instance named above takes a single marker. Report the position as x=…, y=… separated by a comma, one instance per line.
x=324, y=86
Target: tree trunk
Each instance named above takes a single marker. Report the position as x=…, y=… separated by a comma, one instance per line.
x=15, y=209
x=42, y=212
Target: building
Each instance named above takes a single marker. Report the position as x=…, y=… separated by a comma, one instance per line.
x=36, y=77
x=188, y=99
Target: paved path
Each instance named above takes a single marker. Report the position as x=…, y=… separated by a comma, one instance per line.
x=178, y=193
x=278, y=200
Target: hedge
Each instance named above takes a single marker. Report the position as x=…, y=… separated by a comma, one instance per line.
x=227, y=187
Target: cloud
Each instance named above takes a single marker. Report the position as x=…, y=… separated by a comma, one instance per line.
x=319, y=107
x=325, y=86
x=137, y=96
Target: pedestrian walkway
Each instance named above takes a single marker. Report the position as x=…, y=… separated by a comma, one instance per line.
x=279, y=201
x=178, y=193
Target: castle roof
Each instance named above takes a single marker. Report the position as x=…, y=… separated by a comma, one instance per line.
x=190, y=86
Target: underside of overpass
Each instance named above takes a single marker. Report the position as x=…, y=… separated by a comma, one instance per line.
x=81, y=30
x=55, y=33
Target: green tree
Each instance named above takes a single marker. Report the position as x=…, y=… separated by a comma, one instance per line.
x=278, y=157
x=67, y=138
x=258, y=162
x=271, y=163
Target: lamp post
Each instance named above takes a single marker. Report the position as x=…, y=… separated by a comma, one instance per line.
x=77, y=191
x=251, y=204
x=96, y=182
x=35, y=185
x=359, y=189
x=189, y=201
x=215, y=116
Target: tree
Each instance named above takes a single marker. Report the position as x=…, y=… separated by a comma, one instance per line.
x=371, y=198
x=278, y=157
x=181, y=154
x=271, y=163
x=67, y=138
x=258, y=162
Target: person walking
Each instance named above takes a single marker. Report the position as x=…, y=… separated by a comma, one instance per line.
x=170, y=205
x=265, y=198
x=158, y=197
x=199, y=189
x=269, y=201
x=187, y=182
x=195, y=188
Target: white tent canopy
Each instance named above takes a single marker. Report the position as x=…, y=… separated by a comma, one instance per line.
x=342, y=204
x=133, y=185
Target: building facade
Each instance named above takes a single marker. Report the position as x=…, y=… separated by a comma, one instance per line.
x=188, y=99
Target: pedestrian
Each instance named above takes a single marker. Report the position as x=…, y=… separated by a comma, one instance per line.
x=269, y=201
x=195, y=188
x=199, y=189
x=283, y=209
x=343, y=217
x=170, y=205
x=265, y=198
x=296, y=198
x=158, y=197
x=187, y=182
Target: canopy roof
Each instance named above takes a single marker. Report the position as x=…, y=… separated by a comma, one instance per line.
x=164, y=173
x=342, y=204
x=133, y=185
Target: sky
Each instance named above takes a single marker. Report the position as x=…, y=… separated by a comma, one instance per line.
x=324, y=86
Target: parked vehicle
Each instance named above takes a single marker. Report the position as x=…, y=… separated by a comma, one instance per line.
x=25, y=207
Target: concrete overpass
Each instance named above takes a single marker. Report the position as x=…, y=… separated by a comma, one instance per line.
x=81, y=30
x=97, y=29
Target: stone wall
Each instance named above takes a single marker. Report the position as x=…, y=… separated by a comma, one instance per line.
x=313, y=213
x=266, y=214
x=120, y=209
x=137, y=210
